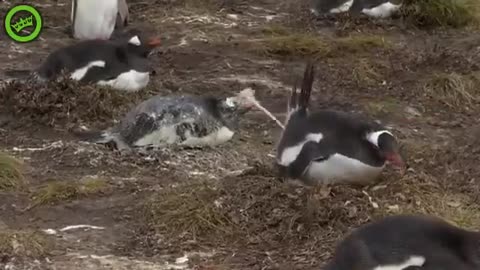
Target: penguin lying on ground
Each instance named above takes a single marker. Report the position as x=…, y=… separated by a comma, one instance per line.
x=192, y=121
x=408, y=242
x=93, y=19
x=332, y=147
x=121, y=63
x=371, y=8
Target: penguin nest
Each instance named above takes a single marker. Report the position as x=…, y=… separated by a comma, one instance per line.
x=253, y=208
x=64, y=102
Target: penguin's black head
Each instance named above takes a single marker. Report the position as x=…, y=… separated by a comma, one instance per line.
x=387, y=146
x=138, y=43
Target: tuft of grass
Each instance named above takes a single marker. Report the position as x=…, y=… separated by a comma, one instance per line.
x=24, y=243
x=444, y=13
x=453, y=89
x=365, y=74
x=386, y=106
x=284, y=42
x=193, y=209
x=57, y=191
x=11, y=175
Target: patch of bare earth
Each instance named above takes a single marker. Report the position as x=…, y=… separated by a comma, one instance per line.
x=72, y=205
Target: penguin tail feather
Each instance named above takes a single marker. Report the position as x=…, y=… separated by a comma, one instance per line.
x=307, y=84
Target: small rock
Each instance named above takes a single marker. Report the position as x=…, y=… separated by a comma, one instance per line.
x=412, y=111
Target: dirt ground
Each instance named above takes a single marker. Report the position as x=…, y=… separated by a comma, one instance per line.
x=224, y=208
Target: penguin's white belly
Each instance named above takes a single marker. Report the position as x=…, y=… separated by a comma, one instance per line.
x=130, y=81
x=384, y=10
x=168, y=135
x=338, y=168
x=95, y=19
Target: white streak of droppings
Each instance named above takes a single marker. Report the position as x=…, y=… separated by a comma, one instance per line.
x=343, y=7
x=56, y=144
x=135, y=41
x=412, y=261
x=232, y=16
x=82, y=226
x=79, y=73
x=50, y=231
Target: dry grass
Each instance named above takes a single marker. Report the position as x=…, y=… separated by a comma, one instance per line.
x=191, y=211
x=11, y=176
x=452, y=13
x=454, y=90
x=366, y=74
x=62, y=191
x=385, y=106
x=281, y=41
x=24, y=243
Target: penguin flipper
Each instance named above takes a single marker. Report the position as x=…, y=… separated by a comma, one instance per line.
x=311, y=151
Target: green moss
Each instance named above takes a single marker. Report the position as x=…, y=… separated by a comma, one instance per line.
x=11, y=175
x=286, y=42
x=56, y=191
x=452, y=13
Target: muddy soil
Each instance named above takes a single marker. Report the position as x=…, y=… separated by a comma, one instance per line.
x=207, y=49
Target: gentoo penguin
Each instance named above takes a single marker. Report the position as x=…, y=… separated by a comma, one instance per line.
x=93, y=19
x=408, y=242
x=120, y=63
x=371, y=8
x=332, y=147
x=192, y=121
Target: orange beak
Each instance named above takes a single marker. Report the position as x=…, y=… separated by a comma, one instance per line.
x=154, y=42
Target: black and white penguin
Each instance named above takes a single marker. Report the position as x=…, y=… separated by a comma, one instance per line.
x=332, y=147
x=192, y=121
x=413, y=242
x=121, y=63
x=93, y=19
x=371, y=8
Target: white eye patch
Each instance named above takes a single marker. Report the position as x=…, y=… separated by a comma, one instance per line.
x=373, y=136
x=135, y=41
x=229, y=102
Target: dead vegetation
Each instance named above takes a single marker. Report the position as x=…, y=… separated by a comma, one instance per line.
x=454, y=90
x=11, y=172
x=280, y=41
x=66, y=102
x=63, y=191
x=451, y=13
x=24, y=244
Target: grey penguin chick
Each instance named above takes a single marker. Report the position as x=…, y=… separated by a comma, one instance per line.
x=408, y=242
x=193, y=121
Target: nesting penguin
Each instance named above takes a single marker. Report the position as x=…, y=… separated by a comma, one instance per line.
x=121, y=63
x=371, y=8
x=192, y=121
x=92, y=19
x=332, y=147
x=408, y=242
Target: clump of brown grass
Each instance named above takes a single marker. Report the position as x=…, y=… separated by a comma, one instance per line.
x=365, y=74
x=285, y=42
x=452, y=13
x=65, y=102
x=11, y=175
x=61, y=191
x=24, y=243
x=454, y=90
x=192, y=211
